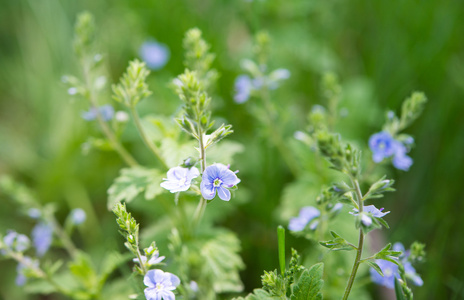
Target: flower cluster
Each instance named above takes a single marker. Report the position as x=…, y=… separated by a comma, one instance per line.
x=391, y=270
x=383, y=145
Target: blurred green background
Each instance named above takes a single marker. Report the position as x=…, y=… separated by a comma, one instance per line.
x=382, y=50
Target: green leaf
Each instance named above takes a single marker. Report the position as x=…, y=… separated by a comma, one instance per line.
x=387, y=254
x=222, y=262
x=309, y=285
x=259, y=294
x=132, y=182
x=84, y=272
x=223, y=152
x=338, y=243
x=375, y=266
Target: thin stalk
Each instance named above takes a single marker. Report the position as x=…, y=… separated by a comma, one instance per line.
x=145, y=139
x=276, y=136
x=40, y=273
x=200, y=210
x=139, y=255
x=64, y=238
x=357, y=260
x=125, y=155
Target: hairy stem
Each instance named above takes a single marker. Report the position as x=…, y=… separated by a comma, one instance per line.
x=200, y=210
x=145, y=139
x=357, y=260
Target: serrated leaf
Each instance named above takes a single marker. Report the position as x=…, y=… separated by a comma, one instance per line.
x=309, y=285
x=258, y=294
x=132, y=182
x=222, y=262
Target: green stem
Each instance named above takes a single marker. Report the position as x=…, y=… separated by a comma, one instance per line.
x=359, y=250
x=276, y=136
x=125, y=155
x=145, y=139
x=200, y=210
x=64, y=238
x=39, y=272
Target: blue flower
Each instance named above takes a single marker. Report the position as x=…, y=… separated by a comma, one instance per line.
x=42, y=236
x=77, y=216
x=390, y=270
x=383, y=145
x=34, y=213
x=28, y=264
x=401, y=161
x=155, y=259
x=306, y=215
x=368, y=211
x=155, y=54
x=160, y=285
x=218, y=178
x=106, y=111
x=16, y=242
x=243, y=88
x=179, y=179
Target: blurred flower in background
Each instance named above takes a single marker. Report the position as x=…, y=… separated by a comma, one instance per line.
x=78, y=216
x=42, y=236
x=106, y=111
x=156, y=55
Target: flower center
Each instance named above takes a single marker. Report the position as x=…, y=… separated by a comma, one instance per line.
x=217, y=182
x=159, y=286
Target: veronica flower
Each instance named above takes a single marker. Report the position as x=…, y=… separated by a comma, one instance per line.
x=383, y=145
x=367, y=211
x=42, y=236
x=160, y=285
x=155, y=54
x=106, y=111
x=78, y=216
x=218, y=178
x=243, y=88
x=16, y=242
x=390, y=270
x=34, y=213
x=179, y=179
x=155, y=259
x=306, y=215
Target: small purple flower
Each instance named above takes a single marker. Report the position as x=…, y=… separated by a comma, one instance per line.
x=160, y=285
x=77, y=216
x=106, y=111
x=389, y=270
x=16, y=242
x=306, y=215
x=29, y=264
x=34, y=213
x=42, y=236
x=243, y=88
x=401, y=161
x=218, y=178
x=382, y=145
x=155, y=259
x=367, y=211
x=155, y=54
x=179, y=179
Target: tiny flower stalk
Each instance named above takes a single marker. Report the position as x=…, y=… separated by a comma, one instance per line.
x=83, y=46
x=130, y=91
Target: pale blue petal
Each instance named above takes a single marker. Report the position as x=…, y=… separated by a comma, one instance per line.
x=223, y=193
